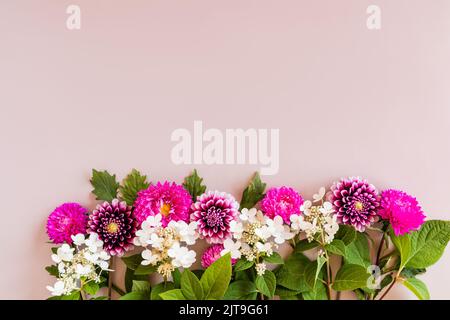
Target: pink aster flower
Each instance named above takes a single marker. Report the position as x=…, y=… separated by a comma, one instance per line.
x=65, y=221
x=283, y=202
x=214, y=211
x=212, y=254
x=355, y=202
x=170, y=200
x=115, y=225
x=402, y=210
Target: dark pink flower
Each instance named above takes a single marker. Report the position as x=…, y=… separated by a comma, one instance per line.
x=214, y=211
x=401, y=210
x=355, y=201
x=65, y=221
x=115, y=225
x=212, y=254
x=170, y=200
x=283, y=202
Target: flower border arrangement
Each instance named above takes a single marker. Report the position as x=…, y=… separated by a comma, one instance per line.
x=373, y=239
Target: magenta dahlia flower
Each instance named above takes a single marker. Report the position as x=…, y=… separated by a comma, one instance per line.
x=65, y=221
x=212, y=254
x=283, y=202
x=401, y=210
x=170, y=200
x=355, y=202
x=115, y=225
x=214, y=211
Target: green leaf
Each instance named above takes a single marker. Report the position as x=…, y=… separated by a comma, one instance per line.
x=176, y=275
x=105, y=185
x=274, y=258
x=91, y=287
x=423, y=248
x=266, y=283
x=136, y=295
x=54, y=250
x=160, y=288
x=175, y=294
x=313, y=270
x=253, y=193
x=52, y=270
x=100, y=298
x=291, y=275
x=76, y=295
x=305, y=245
x=241, y=290
x=140, y=286
x=131, y=185
x=318, y=293
x=411, y=272
x=142, y=270
x=130, y=276
x=243, y=264
x=418, y=287
x=216, y=278
x=357, y=252
x=284, y=292
x=346, y=233
x=190, y=286
x=350, y=277
x=193, y=184
x=386, y=281
x=132, y=262
x=337, y=247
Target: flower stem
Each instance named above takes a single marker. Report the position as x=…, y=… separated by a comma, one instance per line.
x=110, y=282
x=380, y=249
x=389, y=288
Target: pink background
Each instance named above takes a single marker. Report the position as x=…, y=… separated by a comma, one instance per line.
x=348, y=101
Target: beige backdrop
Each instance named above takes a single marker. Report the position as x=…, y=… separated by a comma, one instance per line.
x=347, y=101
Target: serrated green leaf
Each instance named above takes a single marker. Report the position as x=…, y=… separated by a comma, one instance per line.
x=175, y=294
x=357, y=252
x=136, y=295
x=274, y=258
x=76, y=295
x=176, y=275
x=423, y=248
x=266, y=283
x=253, y=193
x=216, y=278
x=336, y=247
x=417, y=287
x=190, y=286
x=193, y=184
x=284, y=292
x=313, y=270
x=160, y=288
x=241, y=290
x=105, y=185
x=291, y=275
x=243, y=264
x=140, y=286
x=91, y=287
x=305, y=245
x=350, y=277
x=318, y=293
x=52, y=270
x=346, y=233
x=131, y=185
x=142, y=270
x=133, y=261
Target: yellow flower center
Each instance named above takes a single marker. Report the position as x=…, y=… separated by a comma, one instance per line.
x=165, y=209
x=359, y=206
x=112, y=227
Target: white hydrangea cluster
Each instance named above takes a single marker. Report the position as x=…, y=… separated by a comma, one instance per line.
x=256, y=236
x=316, y=219
x=79, y=264
x=166, y=247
